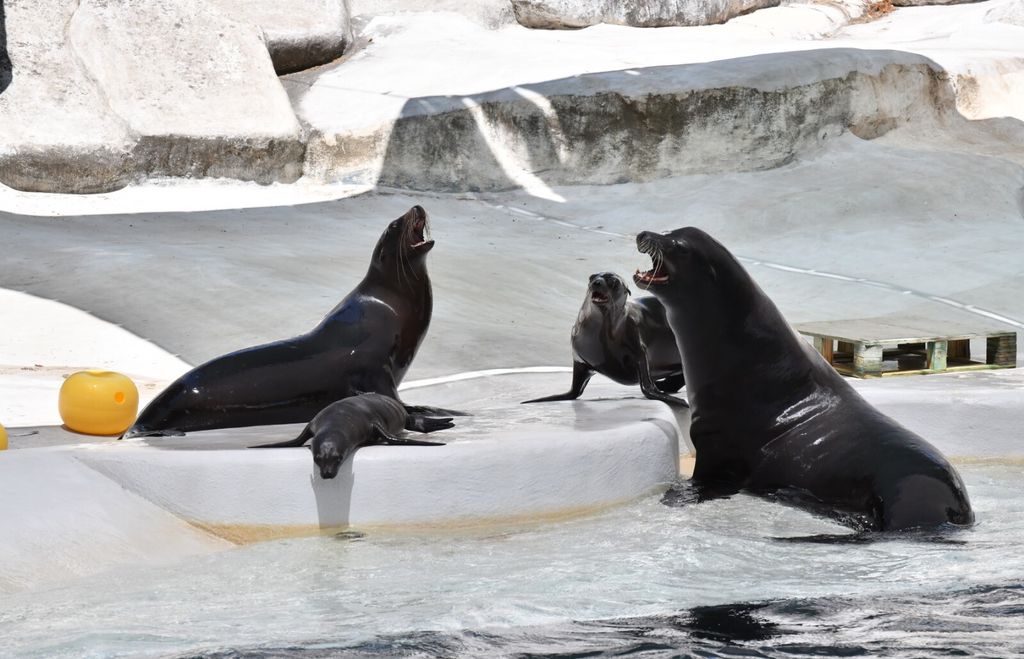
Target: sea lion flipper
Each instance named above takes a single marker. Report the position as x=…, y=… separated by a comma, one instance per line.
x=581, y=374
x=650, y=390
x=387, y=439
x=426, y=424
x=298, y=441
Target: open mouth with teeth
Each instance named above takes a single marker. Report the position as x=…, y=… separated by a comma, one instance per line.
x=597, y=297
x=419, y=233
x=657, y=274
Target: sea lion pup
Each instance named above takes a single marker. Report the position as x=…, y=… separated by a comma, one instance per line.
x=771, y=417
x=626, y=340
x=344, y=426
x=365, y=344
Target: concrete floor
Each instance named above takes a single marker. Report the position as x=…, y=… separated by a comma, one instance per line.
x=913, y=232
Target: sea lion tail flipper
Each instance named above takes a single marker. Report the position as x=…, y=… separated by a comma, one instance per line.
x=581, y=374
x=387, y=439
x=426, y=410
x=427, y=424
x=303, y=437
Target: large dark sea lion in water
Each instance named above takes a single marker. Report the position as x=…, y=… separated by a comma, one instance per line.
x=626, y=340
x=771, y=417
x=365, y=344
x=344, y=426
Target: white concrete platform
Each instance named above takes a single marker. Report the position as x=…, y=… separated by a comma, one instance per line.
x=511, y=463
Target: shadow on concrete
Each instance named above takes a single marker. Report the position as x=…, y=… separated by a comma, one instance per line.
x=6, y=70
x=636, y=125
x=333, y=497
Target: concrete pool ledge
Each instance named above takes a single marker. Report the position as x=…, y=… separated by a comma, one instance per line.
x=509, y=465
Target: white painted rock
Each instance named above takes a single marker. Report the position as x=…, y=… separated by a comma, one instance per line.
x=300, y=34
x=203, y=101
x=56, y=132
x=567, y=14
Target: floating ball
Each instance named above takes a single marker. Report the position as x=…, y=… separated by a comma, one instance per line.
x=3, y=439
x=98, y=402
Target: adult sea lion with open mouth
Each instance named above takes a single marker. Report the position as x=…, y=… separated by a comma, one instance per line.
x=344, y=426
x=771, y=417
x=626, y=340
x=365, y=344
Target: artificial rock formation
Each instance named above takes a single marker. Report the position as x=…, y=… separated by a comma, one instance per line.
x=568, y=14
x=98, y=94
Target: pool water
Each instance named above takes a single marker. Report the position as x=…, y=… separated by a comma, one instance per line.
x=644, y=579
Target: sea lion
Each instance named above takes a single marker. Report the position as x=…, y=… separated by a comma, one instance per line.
x=365, y=344
x=344, y=426
x=771, y=417
x=626, y=340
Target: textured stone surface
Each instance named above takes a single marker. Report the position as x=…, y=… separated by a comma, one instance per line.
x=562, y=14
x=85, y=113
x=300, y=33
x=923, y=3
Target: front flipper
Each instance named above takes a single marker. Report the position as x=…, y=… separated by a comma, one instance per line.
x=651, y=391
x=689, y=492
x=581, y=374
x=303, y=437
x=427, y=424
x=387, y=439
x=426, y=410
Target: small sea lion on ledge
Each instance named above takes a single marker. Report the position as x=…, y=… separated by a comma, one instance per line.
x=626, y=340
x=342, y=427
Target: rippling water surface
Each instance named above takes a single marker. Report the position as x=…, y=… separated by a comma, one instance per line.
x=644, y=579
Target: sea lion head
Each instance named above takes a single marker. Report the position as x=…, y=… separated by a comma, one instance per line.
x=686, y=262
x=326, y=455
x=709, y=298
x=607, y=291
x=403, y=246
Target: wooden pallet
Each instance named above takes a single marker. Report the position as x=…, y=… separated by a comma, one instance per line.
x=881, y=347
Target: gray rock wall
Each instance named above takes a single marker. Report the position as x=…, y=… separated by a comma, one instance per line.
x=739, y=115
x=568, y=14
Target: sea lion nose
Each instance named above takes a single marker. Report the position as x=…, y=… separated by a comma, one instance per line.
x=419, y=212
x=598, y=283
x=644, y=237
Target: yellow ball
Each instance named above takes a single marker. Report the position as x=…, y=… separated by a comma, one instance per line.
x=3, y=439
x=98, y=402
